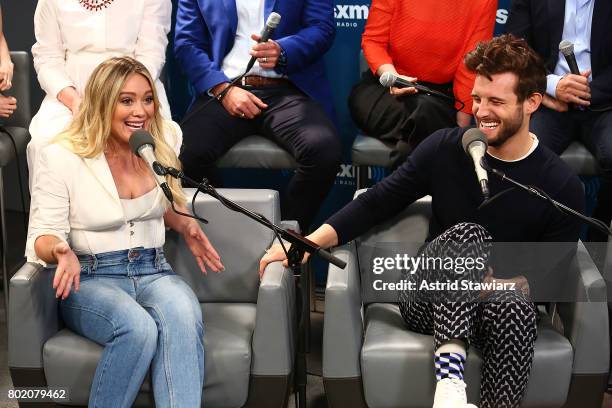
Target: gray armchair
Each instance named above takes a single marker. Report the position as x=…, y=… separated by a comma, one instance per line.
x=249, y=325
x=14, y=137
x=371, y=359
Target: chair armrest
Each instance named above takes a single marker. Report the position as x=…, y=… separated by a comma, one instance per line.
x=343, y=323
x=275, y=323
x=585, y=321
x=33, y=315
x=291, y=224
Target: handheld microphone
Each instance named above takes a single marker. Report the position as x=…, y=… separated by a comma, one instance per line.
x=143, y=146
x=271, y=24
x=475, y=145
x=567, y=49
x=388, y=79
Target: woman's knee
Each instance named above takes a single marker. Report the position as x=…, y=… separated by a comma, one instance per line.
x=179, y=309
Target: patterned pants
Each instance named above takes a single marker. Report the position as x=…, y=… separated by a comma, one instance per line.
x=503, y=324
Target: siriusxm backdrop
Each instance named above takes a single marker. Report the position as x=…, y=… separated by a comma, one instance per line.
x=343, y=70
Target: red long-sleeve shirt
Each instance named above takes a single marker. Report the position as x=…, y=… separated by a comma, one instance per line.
x=428, y=39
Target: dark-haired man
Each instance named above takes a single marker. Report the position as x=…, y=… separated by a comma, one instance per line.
x=510, y=82
x=575, y=106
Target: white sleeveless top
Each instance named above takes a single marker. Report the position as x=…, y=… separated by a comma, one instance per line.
x=142, y=230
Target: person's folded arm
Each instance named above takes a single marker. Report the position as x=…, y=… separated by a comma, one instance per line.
x=153, y=36
x=48, y=51
x=192, y=44
x=49, y=210
x=375, y=38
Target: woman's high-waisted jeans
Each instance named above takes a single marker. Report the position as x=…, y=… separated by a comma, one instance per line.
x=145, y=316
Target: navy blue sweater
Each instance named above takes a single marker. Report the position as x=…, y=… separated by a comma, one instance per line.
x=439, y=167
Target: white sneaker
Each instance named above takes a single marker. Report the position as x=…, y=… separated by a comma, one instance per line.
x=450, y=393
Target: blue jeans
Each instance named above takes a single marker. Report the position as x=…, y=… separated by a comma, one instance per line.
x=133, y=304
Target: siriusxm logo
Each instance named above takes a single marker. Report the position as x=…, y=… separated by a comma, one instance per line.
x=351, y=12
x=351, y=15
x=501, y=16
x=348, y=174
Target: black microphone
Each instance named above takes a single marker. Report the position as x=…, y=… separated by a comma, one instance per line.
x=388, y=79
x=475, y=145
x=271, y=24
x=143, y=146
x=567, y=49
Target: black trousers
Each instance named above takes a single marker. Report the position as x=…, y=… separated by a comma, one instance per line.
x=503, y=324
x=292, y=120
x=557, y=130
x=401, y=121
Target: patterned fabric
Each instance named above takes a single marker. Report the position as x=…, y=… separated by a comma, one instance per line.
x=449, y=365
x=503, y=324
x=95, y=5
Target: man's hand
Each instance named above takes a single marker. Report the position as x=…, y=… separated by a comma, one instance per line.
x=6, y=75
x=574, y=89
x=554, y=104
x=267, y=53
x=242, y=103
x=275, y=253
x=520, y=284
x=201, y=248
x=8, y=105
x=403, y=91
x=68, y=271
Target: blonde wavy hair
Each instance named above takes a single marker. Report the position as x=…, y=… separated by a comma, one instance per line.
x=90, y=131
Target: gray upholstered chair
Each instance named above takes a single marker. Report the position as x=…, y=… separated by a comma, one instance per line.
x=369, y=151
x=371, y=359
x=257, y=152
x=14, y=137
x=249, y=325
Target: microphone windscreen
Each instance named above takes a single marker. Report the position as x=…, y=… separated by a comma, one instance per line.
x=471, y=136
x=138, y=139
x=387, y=79
x=566, y=48
x=273, y=20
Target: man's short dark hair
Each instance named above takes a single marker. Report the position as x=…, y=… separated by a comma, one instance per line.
x=508, y=53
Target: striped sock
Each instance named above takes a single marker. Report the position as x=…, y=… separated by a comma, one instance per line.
x=449, y=365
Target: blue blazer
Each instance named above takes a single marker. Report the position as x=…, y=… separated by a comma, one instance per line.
x=205, y=31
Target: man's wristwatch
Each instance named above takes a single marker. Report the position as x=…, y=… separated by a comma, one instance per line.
x=282, y=60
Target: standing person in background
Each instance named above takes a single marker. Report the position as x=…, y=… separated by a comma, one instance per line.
x=575, y=106
x=73, y=37
x=8, y=104
x=285, y=97
x=422, y=41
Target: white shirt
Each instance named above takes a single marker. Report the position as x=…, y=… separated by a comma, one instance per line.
x=71, y=41
x=576, y=29
x=250, y=21
x=76, y=200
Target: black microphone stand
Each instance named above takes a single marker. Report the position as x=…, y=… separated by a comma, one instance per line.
x=299, y=246
x=541, y=194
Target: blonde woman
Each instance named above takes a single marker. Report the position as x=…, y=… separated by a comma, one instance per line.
x=98, y=214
